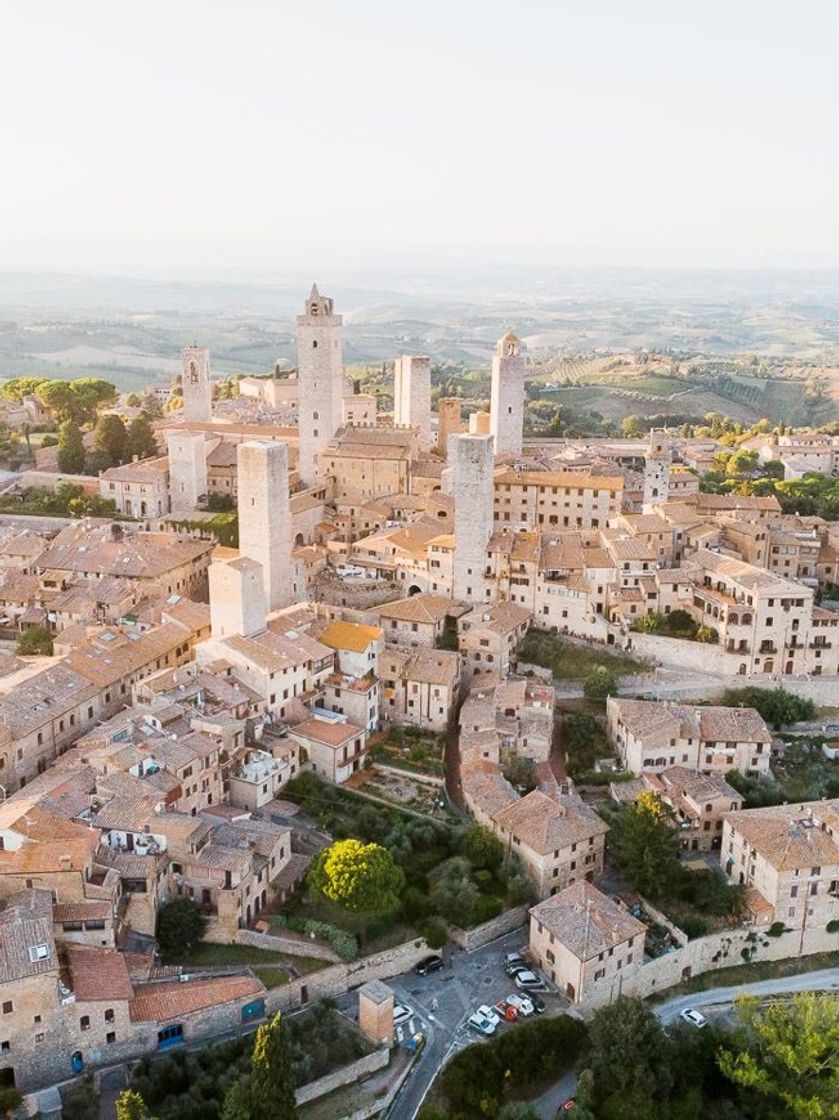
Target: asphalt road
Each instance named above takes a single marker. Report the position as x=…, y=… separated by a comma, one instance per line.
x=715, y=998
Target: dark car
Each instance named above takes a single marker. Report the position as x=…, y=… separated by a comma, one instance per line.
x=538, y=1004
x=429, y=964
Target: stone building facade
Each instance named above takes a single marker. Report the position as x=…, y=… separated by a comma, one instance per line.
x=507, y=395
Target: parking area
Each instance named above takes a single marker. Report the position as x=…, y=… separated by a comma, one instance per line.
x=439, y=1006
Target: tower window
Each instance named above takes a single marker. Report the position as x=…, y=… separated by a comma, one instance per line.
x=315, y=416
x=314, y=344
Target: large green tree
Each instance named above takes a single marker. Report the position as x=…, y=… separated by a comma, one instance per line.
x=793, y=1060
x=180, y=926
x=482, y=848
x=361, y=878
x=630, y=1075
x=71, y=453
x=272, y=1076
x=110, y=439
x=141, y=439
x=645, y=846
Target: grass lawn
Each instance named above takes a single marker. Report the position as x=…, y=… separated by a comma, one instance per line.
x=748, y=973
x=570, y=661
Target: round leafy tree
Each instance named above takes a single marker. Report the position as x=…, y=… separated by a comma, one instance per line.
x=362, y=878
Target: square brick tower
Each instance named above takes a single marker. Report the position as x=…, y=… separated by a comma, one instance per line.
x=198, y=393
x=448, y=422
x=264, y=516
x=187, y=469
x=320, y=380
x=656, y=469
x=237, y=598
x=375, y=1012
x=507, y=395
x=472, y=463
x=412, y=396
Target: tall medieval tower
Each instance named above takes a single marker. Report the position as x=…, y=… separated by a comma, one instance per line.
x=412, y=395
x=198, y=393
x=264, y=515
x=507, y=400
x=656, y=469
x=472, y=462
x=320, y=380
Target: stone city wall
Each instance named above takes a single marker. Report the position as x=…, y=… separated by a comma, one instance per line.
x=337, y=979
x=705, y=954
x=506, y=922
x=346, y=1075
x=281, y=942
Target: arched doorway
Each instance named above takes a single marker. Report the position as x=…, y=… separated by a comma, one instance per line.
x=414, y=590
x=299, y=540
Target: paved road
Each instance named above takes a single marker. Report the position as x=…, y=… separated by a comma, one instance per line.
x=467, y=981
x=669, y=1011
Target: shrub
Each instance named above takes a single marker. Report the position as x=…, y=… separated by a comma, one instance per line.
x=180, y=926
x=35, y=640
x=833, y=927
x=776, y=929
x=434, y=932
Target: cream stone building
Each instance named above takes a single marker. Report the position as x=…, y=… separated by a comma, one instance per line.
x=488, y=638
x=699, y=802
x=335, y=748
x=585, y=943
x=138, y=489
x=650, y=735
x=558, y=839
x=419, y=688
x=565, y=499
x=472, y=458
x=787, y=856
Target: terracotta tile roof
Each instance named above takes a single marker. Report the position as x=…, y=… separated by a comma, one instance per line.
x=586, y=921
x=573, y=480
x=330, y=733
x=26, y=922
x=350, y=635
x=161, y=1002
x=92, y=910
x=791, y=836
x=546, y=825
x=98, y=974
x=427, y=608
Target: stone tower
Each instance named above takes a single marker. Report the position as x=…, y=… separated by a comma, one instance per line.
x=187, y=469
x=264, y=517
x=198, y=393
x=656, y=469
x=507, y=400
x=237, y=598
x=448, y=422
x=320, y=380
x=412, y=396
x=472, y=461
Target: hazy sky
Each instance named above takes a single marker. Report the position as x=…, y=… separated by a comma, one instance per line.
x=250, y=134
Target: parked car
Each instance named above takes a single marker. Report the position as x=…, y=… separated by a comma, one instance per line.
x=480, y=1024
x=516, y=966
x=401, y=1013
x=529, y=980
x=695, y=1018
x=513, y=958
x=506, y=1010
x=569, y=1105
x=489, y=1013
x=523, y=1004
x=428, y=964
x=539, y=1004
